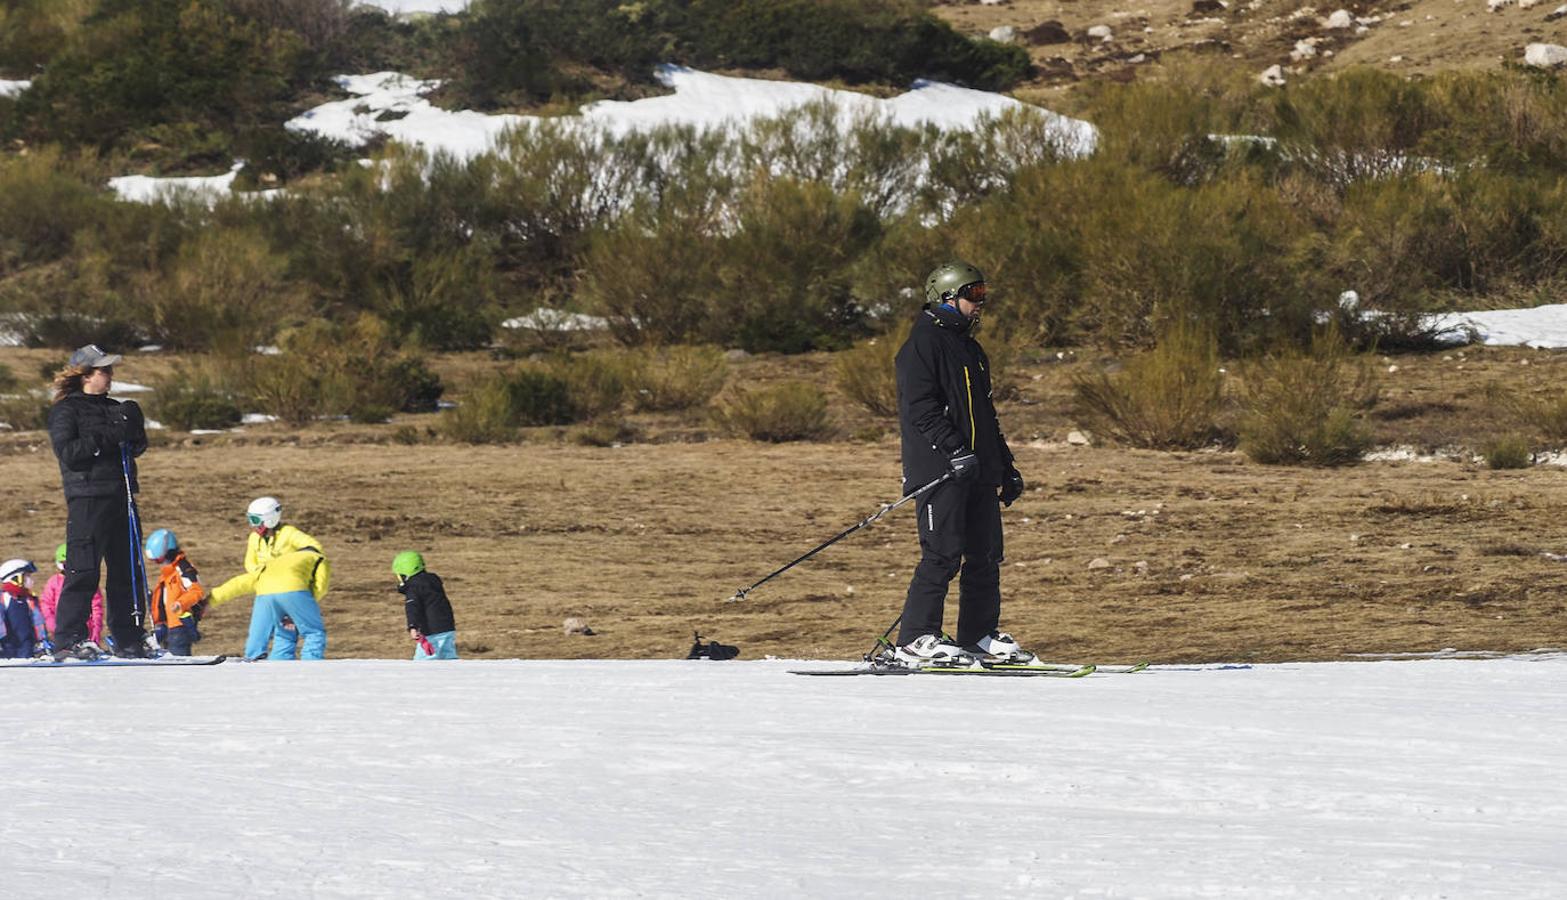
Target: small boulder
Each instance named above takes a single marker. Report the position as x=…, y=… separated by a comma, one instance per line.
x=1272, y=76
x=1077, y=439
x=1341, y=19
x=1560, y=13
x=575, y=625
x=1101, y=33
x=1005, y=34
x=1545, y=56
x=1049, y=31
x=1097, y=563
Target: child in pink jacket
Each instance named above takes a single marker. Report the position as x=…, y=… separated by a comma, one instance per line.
x=50, y=598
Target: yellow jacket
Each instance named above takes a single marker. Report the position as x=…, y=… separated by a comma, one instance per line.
x=284, y=561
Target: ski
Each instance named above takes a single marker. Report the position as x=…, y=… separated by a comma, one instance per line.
x=113, y=662
x=992, y=671
x=1070, y=667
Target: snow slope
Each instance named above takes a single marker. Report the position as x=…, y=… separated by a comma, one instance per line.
x=702, y=779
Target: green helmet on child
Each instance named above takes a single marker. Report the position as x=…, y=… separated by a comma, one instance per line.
x=407, y=564
x=59, y=555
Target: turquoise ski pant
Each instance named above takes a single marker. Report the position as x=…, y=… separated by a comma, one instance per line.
x=445, y=645
x=266, y=624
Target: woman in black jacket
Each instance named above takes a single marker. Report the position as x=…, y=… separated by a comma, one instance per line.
x=96, y=440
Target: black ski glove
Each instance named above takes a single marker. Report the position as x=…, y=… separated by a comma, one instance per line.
x=965, y=465
x=1012, y=487
x=130, y=416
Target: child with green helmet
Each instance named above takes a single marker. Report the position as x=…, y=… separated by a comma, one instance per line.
x=430, y=621
x=50, y=599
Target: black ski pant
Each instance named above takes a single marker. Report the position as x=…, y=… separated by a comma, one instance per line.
x=97, y=532
x=960, y=528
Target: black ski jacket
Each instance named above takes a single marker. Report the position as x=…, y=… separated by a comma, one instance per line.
x=944, y=404
x=426, y=604
x=86, y=431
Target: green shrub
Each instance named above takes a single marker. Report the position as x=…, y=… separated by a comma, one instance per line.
x=26, y=411
x=485, y=416
x=1168, y=398
x=866, y=374
x=327, y=369
x=1300, y=408
x=597, y=382
x=224, y=287
x=674, y=378
x=788, y=411
x=1541, y=414
x=604, y=434
x=539, y=398
x=188, y=400
x=8, y=381
x=1507, y=451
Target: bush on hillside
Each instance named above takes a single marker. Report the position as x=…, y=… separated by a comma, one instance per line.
x=788, y=411
x=675, y=378
x=191, y=399
x=866, y=373
x=181, y=72
x=1507, y=451
x=1168, y=398
x=1302, y=407
x=325, y=369
x=224, y=288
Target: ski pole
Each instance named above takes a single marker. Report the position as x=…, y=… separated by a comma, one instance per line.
x=863, y=523
x=882, y=641
x=133, y=525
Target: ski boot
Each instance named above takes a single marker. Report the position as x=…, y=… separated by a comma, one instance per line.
x=999, y=647
x=84, y=650
x=932, y=650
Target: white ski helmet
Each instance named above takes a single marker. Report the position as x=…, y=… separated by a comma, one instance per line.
x=264, y=512
x=16, y=569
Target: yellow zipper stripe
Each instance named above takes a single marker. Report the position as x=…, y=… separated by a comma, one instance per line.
x=973, y=433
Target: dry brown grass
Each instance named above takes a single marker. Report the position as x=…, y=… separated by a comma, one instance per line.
x=1240, y=561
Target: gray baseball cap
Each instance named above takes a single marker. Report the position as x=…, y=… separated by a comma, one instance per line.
x=93, y=357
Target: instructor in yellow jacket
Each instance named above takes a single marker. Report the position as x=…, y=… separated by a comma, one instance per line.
x=289, y=574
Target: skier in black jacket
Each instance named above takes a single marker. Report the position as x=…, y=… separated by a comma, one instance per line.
x=88, y=430
x=430, y=620
x=949, y=424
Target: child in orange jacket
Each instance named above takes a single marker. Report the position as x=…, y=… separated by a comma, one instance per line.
x=178, y=599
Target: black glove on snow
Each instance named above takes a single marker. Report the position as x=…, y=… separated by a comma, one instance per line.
x=1012, y=487
x=965, y=465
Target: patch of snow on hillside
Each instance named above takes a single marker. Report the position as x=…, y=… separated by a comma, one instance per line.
x=391, y=104
x=404, y=7
x=1540, y=326
x=12, y=88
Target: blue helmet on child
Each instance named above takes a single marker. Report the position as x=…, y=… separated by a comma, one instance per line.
x=161, y=543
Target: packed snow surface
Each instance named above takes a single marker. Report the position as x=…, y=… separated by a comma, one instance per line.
x=1436, y=778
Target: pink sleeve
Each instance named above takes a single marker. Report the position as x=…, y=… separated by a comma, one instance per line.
x=95, y=621
x=50, y=599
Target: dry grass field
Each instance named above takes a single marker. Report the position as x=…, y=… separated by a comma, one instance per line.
x=1210, y=557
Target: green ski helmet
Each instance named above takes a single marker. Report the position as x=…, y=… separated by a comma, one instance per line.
x=947, y=279
x=59, y=554
x=407, y=564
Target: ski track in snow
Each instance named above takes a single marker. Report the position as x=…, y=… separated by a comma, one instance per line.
x=634, y=779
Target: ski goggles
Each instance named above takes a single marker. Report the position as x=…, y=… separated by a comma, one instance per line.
x=255, y=520
x=974, y=293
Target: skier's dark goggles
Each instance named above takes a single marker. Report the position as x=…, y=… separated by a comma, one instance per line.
x=974, y=293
